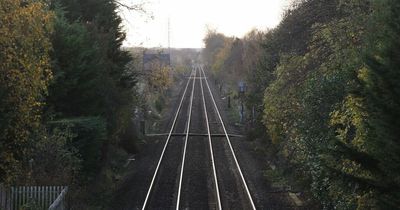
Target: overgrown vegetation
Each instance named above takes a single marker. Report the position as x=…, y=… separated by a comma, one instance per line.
x=25, y=75
x=322, y=95
x=67, y=96
x=324, y=83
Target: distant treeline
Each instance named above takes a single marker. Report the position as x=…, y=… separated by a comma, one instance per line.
x=325, y=85
x=66, y=94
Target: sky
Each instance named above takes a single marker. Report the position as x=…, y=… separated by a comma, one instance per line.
x=189, y=19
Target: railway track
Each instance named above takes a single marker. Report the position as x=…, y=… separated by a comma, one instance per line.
x=198, y=171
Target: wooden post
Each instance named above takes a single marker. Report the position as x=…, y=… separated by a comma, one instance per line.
x=143, y=127
x=5, y=197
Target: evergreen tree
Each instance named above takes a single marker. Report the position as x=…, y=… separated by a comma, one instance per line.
x=92, y=88
x=381, y=95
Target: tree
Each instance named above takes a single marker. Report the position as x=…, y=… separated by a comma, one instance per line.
x=91, y=75
x=328, y=80
x=367, y=121
x=214, y=42
x=25, y=28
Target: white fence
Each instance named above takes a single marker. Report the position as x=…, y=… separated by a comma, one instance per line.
x=44, y=197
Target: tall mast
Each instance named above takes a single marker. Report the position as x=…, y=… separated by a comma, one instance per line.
x=169, y=37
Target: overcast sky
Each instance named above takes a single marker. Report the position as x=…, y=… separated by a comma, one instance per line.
x=189, y=18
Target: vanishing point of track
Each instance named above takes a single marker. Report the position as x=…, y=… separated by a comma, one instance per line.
x=221, y=182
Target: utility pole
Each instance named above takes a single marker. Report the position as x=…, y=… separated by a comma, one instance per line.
x=169, y=37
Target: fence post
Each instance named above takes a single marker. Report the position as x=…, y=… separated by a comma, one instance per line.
x=13, y=198
x=4, y=197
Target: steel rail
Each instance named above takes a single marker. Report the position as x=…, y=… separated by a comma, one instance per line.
x=178, y=199
x=195, y=134
x=229, y=143
x=165, y=146
x=211, y=147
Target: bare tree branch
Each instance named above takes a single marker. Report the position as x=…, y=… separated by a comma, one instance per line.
x=134, y=7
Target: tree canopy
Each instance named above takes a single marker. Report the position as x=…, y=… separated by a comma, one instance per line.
x=25, y=71
x=327, y=79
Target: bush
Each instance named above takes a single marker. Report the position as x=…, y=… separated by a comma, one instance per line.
x=53, y=161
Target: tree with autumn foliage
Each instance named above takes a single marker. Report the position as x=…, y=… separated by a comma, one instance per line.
x=327, y=80
x=25, y=28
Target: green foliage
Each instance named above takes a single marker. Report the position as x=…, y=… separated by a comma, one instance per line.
x=92, y=85
x=322, y=108
x=90, y=134
x=66, y=57
x=25, y=27
x=76, y=70
x=129, y=139
x=31, y=204
x=331, y=99
x=54, y=160
x=372, y=112
x=301, y=101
